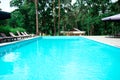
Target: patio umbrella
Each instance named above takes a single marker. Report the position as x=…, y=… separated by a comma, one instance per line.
x=112, y=18
x=4, y=15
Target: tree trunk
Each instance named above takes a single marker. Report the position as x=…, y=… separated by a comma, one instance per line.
x=36, y=9
x=59, y=17
x=54, y=17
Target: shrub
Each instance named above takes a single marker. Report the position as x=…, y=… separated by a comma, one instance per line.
x=7, y=29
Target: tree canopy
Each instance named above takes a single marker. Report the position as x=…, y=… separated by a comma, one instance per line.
x=57, y=15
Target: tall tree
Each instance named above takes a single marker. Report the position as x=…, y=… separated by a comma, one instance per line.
x=54, y=18
x=58, y=16
x=36, y=9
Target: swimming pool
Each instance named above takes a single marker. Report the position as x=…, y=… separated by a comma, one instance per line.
x=59, y=58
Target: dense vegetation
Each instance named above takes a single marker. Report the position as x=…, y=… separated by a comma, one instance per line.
x=57, y=15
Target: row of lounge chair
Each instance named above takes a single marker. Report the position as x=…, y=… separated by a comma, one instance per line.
x=13, y=37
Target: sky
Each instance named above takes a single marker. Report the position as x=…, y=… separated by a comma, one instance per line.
x=5, y=5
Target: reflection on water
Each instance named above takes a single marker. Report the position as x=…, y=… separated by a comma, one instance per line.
x=70, y=71
x=12, y=65
x=11, y=57
x=7, y=63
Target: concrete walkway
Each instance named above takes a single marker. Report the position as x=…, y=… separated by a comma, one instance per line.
x=106, y=40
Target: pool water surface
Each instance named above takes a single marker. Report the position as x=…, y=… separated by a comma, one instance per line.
x=60, y=58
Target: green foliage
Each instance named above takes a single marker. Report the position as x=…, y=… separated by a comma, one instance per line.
x=84, y=14
x=24, y=16
x=17, y=29
x=17, y=19
x=7, y=29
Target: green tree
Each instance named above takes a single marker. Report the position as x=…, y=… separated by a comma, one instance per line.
x=26, y=9
x=57, y=15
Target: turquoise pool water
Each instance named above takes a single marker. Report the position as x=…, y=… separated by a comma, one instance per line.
x=59, y=58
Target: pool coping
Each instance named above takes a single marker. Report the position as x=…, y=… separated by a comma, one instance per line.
x=8, y=43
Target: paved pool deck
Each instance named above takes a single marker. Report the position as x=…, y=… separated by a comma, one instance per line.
x=105, y=39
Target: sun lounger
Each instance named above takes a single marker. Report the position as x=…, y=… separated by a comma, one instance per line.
x=24, y=33
x=6, y=38
x=22, y=36
x=30, y=35
x=16, y=37
x=1, y=39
